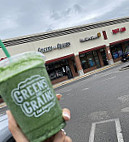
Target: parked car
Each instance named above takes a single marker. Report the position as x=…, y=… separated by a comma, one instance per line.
x=125, y=57
x=5, y=135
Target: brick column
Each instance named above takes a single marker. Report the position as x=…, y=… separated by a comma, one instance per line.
x=78, y=65
x=72, y=67
x=109, y=55
x=100, y=58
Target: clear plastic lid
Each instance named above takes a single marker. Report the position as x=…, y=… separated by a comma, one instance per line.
x=22, y=56
x=20, y=62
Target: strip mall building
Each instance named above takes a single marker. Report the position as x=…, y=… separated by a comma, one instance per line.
x=74, y=51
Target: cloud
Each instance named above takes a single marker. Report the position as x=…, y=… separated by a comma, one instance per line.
x=77, y=14
x=28, y=17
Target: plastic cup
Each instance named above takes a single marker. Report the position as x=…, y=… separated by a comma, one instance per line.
x=27, y=90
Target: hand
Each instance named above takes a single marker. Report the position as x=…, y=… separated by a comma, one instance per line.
x=20, y=137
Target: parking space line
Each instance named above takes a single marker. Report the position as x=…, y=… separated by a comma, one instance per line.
x=92, y=132
x=105, y=121
x=118, y=129
x=110, y=78
x=85, y=89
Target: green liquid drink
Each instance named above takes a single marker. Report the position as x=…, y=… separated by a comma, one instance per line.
x=28, y=93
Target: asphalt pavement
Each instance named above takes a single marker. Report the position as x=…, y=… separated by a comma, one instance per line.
x=99, y=106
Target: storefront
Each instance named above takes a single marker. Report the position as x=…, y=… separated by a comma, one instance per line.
x=93, y=58
x=116, y=51
x=117, y=48
x=74, y=51
x=77, y=50
x=89, y=61
x=61, y=69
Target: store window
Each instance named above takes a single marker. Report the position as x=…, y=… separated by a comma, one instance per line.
x=84, y=61
x=89, y=59
x=116, y=51
x=95, y=54
x=59, y=69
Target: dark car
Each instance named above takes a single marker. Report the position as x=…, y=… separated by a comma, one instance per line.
x=5, y=135
x=125, y=57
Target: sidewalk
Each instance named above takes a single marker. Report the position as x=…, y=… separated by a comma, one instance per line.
x=78, y=77
x=86, y=75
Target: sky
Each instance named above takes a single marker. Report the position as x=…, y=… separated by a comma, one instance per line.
x=26, y=17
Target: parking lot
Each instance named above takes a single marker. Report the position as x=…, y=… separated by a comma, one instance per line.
x=99, y=106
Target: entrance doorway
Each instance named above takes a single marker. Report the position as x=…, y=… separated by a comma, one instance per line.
x=59, y=69
x=116, y=51
x=104, y=57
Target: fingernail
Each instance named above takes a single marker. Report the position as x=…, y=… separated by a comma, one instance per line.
x=59, y=95
x=63, y=131
x=66, y=115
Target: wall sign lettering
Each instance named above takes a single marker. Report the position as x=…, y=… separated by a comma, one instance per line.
x=91, y=38
x=119, y=30
x=50, y=48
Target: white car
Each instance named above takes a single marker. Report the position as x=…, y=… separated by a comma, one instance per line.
x=5, y=135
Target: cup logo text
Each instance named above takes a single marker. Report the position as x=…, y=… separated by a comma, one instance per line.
x=34, y=96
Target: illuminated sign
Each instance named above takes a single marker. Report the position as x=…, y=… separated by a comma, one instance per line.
x=115, y=31
x=91, y=38
x=50, y=48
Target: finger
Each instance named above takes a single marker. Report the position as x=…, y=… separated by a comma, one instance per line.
x=66, y=114
x=59, y=137
x=58, y=96
x=11, y=121
x=67, y=139
x=14, y=129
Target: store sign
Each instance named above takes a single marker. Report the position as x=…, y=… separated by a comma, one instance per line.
x=119, y=30
x=2, y=58
x=91, y=38
x=50, y=48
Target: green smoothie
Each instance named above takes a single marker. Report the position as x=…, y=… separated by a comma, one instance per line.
x=28, y=93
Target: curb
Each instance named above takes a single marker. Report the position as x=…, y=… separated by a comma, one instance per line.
x=2, y=105
x=86, y=74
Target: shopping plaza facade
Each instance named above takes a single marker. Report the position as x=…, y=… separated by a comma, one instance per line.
x=77, y=50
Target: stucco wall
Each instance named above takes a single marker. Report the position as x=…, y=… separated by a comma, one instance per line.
x=74, y=38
